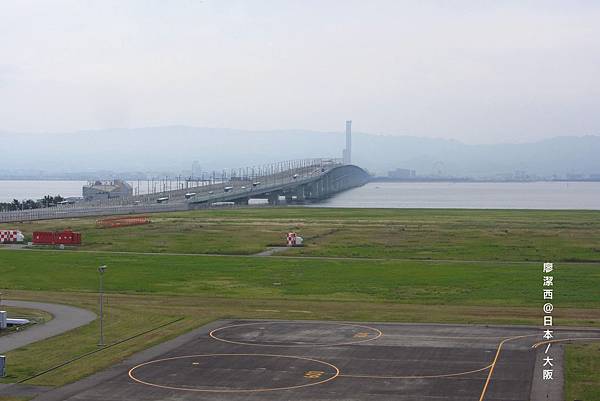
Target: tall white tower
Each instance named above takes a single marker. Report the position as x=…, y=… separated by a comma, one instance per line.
x=348, y=151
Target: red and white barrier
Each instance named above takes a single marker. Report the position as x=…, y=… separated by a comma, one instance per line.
x=294, y=239
x=11, y=236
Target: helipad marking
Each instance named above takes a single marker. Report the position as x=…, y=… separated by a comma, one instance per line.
x=375, y=337
x=314, y=374
x=132, y=376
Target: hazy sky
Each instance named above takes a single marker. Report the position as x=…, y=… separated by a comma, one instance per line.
x=477, y=71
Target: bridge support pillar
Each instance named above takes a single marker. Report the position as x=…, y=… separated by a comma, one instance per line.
x=274, y=199
x=242, y=201
x=310, y=191
x=300, y=194
x=319, y=189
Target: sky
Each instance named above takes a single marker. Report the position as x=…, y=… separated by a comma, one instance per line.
x=475, y=71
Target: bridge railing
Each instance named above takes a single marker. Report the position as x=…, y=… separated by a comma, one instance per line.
x=244, y=186
x=269, y=176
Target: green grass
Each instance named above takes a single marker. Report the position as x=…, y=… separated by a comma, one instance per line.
x=582, y=381
x=501, y=235
x=459, y=283
x=422, y=274
x=122, y=320
x=190, y=232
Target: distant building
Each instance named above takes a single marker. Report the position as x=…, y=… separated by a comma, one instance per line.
x=520, y=175
x=402, y=173
x=575, y=177
x=196, y=169
x=347, y=152
x=99, y=190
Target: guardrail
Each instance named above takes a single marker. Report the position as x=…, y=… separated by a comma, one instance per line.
x=241, y=191
x=299, y=172
x=52, y=213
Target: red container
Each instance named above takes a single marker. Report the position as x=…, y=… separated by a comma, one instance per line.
x=67, y=238
x=56, y=238
x=43, y=238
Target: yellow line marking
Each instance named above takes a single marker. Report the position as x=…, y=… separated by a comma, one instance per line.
x=216, y=337
x=564, y=339
x=418, y=377
x=489, y=377
x=132, y=376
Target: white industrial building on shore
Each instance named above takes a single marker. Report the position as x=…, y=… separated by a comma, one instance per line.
x=100, y=190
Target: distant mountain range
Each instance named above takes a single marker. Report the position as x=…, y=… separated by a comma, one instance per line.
x=174, y=149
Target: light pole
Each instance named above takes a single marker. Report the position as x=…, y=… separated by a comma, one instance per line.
x=101, y=270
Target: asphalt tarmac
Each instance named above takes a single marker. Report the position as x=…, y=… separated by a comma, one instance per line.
x=301, y=361
x=64, y=318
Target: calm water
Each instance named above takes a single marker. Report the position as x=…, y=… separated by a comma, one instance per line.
x=483, y=195
x=534, y=195
x=21, y=190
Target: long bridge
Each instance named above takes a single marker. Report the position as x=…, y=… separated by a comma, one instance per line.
x=296, y=181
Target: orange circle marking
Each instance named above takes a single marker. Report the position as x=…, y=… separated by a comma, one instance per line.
x=216, y=337
x=132, y=375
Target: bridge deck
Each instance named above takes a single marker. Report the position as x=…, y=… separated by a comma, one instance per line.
x=305, y=182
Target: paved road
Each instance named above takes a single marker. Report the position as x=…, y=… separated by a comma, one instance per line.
x=65, y=318
x=326, y=361
x=273, y=250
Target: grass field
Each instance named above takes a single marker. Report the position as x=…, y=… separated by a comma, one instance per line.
x=583, y=372
x=382, y=233
x=414, y=282
x=459, y=266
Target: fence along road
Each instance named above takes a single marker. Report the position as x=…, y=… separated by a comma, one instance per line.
x=254, y=183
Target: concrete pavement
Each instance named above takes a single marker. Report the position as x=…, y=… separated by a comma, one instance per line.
x=325, y=361
x=65, y=318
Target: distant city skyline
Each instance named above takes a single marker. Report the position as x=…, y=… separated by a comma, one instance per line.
x=479, y=72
